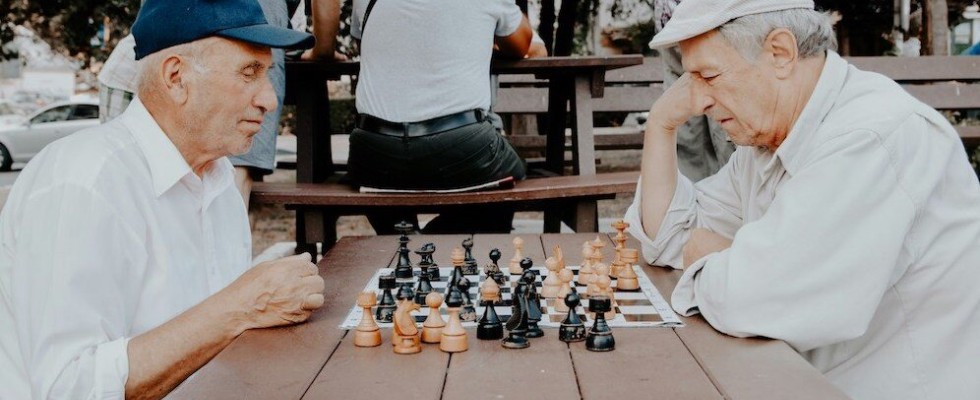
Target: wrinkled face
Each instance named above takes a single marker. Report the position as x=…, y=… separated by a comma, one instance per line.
x=229, y=96
x=742, y=96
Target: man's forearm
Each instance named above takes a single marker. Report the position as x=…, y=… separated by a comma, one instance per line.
x=160, y=359
x=658, y=174
x=326, y=22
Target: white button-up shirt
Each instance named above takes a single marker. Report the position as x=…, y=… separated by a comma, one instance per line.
x=106, y=235
x=857, y=242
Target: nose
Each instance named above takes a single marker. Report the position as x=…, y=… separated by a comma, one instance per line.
x=266, y=99
x=700, y=97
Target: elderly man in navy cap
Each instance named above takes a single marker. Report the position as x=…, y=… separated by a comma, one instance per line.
x=125, y=250
x=846, y=223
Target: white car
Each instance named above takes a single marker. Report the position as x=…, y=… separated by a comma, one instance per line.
x=23, y=139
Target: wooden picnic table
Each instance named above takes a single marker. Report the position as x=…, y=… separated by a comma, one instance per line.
x=318, y=360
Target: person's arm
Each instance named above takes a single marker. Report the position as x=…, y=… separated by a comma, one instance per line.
x=326, y=22
x=273, y=293
x=515, y=45
x=812, y=269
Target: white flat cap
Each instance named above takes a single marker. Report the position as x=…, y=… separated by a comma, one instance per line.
x=694, y=17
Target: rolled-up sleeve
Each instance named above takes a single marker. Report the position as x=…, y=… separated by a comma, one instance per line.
x=69, y=297
x=813, y=268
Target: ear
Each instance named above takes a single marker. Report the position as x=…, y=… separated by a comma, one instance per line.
x=781, y=45
x=174, y=74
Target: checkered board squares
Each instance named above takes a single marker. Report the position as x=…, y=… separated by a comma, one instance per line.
x=642, y=308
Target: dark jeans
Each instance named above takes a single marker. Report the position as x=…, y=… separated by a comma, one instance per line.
x=464, y=156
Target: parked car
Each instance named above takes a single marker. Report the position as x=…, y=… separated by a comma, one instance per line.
x=21, y=141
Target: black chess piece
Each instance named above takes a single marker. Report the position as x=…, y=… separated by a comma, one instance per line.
x=470, y=266
x=489, y=327
x=533, y=304
x=386, y=306
x=600, y=337
x=424, y=287
x=403, y=270
x=425, y=262
x=572, y=328
x=517, y=324
x=498, y=275
x=467, y=313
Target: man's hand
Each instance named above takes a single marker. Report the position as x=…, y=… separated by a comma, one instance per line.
x=278, y=292
x=701, y=243
x=674, y=107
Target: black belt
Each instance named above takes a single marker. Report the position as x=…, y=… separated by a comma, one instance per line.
x=421, y=128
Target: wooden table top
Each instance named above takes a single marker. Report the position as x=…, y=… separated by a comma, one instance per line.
x=318, y=360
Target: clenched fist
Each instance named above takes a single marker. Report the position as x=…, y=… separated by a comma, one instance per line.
x=278, y=292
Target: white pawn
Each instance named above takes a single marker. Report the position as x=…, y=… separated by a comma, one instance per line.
x=602, y=289
x=367, y=334
x=585, y=272
x=433, y=325
x=515, y=262
x=551, y=283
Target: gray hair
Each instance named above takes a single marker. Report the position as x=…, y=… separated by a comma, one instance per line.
x=813, y=30
x=149, y=66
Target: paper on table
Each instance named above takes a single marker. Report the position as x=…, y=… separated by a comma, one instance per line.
x=503, y=183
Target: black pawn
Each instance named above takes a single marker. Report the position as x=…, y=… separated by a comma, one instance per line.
x=424, y=287
x=403, y=270
x=386, y=306
x=489, y=327
x=467, y=312
x=469, y=263
x=572, y=329
x=498, y=275
x=600, y=337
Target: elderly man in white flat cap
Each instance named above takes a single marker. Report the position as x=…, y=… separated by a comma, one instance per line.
x=847, y=223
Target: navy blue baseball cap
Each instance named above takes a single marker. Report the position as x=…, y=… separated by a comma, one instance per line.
x=165, y=23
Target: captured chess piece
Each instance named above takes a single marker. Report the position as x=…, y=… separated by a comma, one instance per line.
x=600, y=337
x=405, y=335
x=494, y=267
x=467, y=312
x=627, y=279
x=469, y=263
x=403, y=270
x=432, y=327
x=367, y=334
x=514, y=267
x=453, y=339
x=489, y=327
x=387, y=305
x=572, y=328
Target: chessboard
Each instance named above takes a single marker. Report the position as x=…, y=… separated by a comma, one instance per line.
x=636, y=309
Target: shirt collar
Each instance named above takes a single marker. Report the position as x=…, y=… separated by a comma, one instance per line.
x=167, y=165
x=817, y=107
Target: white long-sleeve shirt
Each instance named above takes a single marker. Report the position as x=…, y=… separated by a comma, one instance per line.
x=106, y=235
x=857, y=242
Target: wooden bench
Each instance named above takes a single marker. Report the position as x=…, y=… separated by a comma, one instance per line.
x=947, y=83
x=573, y=82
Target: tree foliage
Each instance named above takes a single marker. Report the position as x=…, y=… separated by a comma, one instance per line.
x=69, y=25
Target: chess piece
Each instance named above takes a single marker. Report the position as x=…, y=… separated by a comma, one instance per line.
x=602, y=289
x=425, y=252
x=457, y=259
x=615, y=268
x=494, y=267
x=453, y=338
x=469, y=263
x=572, y=328
x=517, y=324
x=403, y=270
x=551, y=283
x=600, y=337
x=386, y=307
x=467, y=312
x=489, y=327
x=534, y=314
x=585, y=271
x=432, y=327
x=627, y=280
x=405, y=335
x=424, y=287
x=601, y=271
x=367, y=333
x=565, y=276
x=514, y=267
x=559, y=256
x=597, y=246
